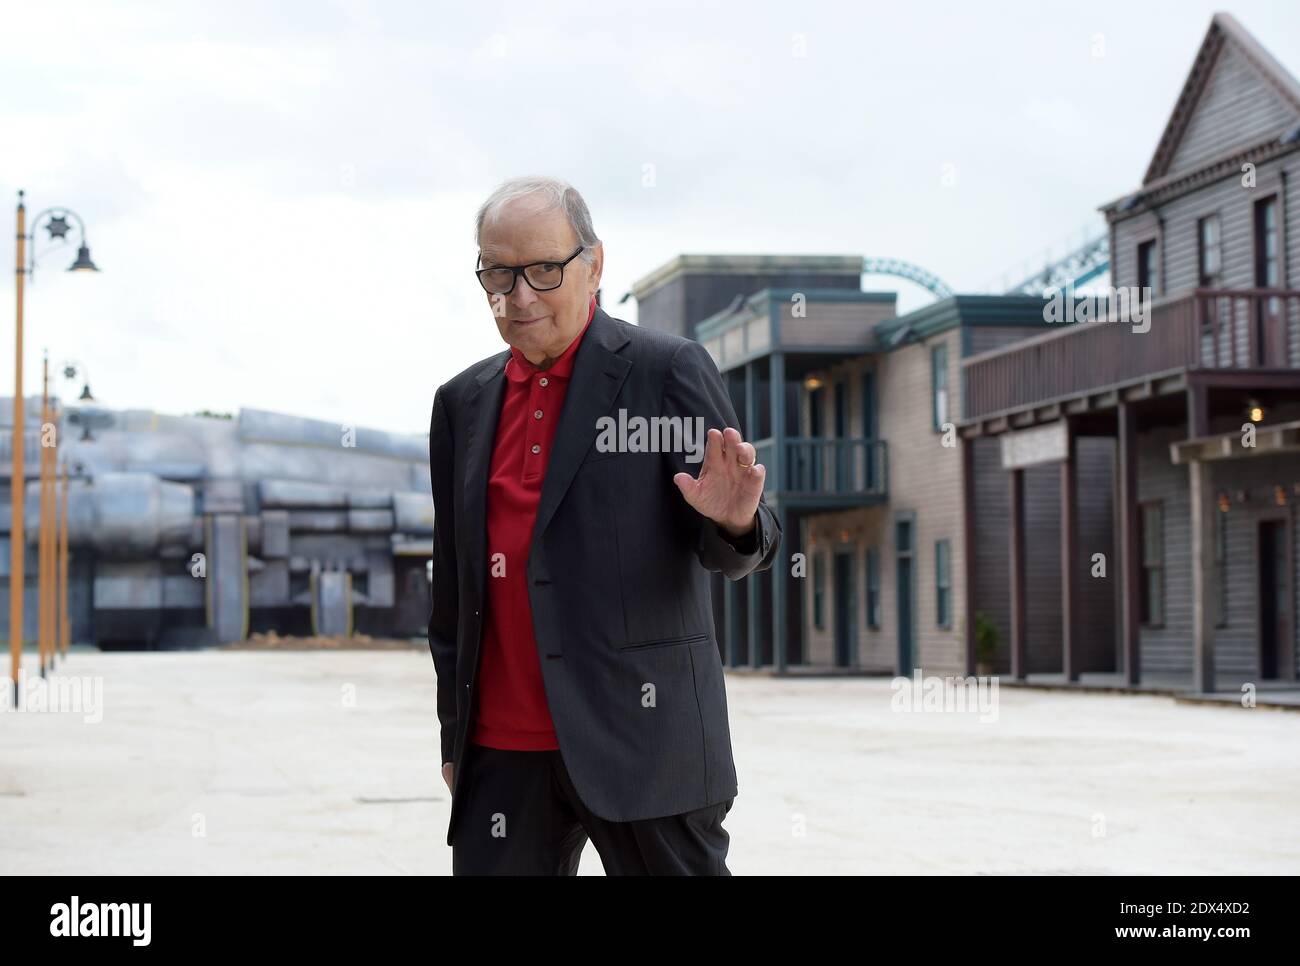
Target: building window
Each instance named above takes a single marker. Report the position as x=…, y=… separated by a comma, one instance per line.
x=1147, y=274
x=1151, y=604
x=873, y=588
x=818, y=577
x=871, y=463
x=1266, y=243
x=869, y=405
x=939, y=383
x=842, y=456
x=1209, y=252
x=943, y=583
x=809, y=458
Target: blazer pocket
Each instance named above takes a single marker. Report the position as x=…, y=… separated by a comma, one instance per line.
x=665, y=642
x=596, y=456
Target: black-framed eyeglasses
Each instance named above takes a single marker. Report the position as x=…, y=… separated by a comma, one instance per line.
x=542, y=276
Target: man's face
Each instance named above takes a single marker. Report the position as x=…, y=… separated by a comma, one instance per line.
x=541, y=325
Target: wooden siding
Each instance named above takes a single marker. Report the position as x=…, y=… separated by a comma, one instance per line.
x=1168, y=649
x=987, y=338
x=984, y=339
x=1204, y=328
x=733, y=343
x=1234, y=204
x=1236, y=108
x=737, y=341
x=1099, y=643
x=924, y=479
x=992, y=536
x=1043, y=567
x=1099, y=647
x=1129, y=233
x=847, y=324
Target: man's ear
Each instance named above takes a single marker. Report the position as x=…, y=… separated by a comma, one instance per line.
x=597, y=266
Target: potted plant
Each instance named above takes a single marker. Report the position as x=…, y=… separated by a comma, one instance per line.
x=986, y=644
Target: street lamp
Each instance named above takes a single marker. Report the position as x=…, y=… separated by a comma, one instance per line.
x=74, y=368
x=58, y=227
x=88, y=415
x=83, y=262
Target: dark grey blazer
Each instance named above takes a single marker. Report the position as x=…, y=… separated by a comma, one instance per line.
x=618, y=575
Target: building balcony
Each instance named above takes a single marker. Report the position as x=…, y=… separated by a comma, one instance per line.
x=1091, y=361
x=815, y=327
x=825, y=474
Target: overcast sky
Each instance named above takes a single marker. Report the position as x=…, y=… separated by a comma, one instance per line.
x=281, y=195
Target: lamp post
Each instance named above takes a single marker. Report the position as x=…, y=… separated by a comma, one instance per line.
x=54, y=635
x=57, y=225
x=65, y=617
x=53, y=536
x=72, y=369
x=48, y=525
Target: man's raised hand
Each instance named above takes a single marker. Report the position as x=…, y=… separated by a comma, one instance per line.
x=729, y=485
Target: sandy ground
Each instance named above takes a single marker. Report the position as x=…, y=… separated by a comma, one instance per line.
x=327, y=762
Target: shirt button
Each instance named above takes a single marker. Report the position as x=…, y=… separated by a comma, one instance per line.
x=536, y=449
x=537, y=414
x=542, y=382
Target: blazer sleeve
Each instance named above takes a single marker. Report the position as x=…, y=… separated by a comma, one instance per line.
x=443, y=619
x=694, y=388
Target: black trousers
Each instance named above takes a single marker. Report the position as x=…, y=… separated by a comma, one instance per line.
x=522, y=816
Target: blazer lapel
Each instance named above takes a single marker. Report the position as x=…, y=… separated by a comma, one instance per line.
x=485, y=404
x=598, y=374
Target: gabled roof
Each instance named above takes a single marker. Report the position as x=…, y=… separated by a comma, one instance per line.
x=1224, y=30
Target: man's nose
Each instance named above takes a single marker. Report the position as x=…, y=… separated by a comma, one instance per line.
x=523, y=295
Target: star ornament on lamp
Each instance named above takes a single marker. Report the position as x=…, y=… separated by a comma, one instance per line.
x=58, y=223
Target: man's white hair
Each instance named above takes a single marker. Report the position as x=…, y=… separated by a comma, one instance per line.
x=552, y=193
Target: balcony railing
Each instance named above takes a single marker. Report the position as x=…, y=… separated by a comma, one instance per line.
x=1205, y=328
x=853, y=468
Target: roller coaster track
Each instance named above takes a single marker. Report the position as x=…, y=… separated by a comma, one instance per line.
x=913, y=273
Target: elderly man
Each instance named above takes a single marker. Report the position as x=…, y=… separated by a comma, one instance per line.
x=580, y=690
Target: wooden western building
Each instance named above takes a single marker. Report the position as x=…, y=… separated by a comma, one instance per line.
x=1166, y=451
x=864, y=461
x=1078, y=497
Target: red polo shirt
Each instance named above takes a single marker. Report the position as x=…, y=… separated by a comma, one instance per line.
x=512, y=711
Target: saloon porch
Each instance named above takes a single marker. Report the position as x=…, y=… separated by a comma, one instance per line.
x=1143, y=534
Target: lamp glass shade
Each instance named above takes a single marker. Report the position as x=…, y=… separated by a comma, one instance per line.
x=83, y=262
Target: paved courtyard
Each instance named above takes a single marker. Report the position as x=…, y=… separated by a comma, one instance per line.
x=224, y=762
